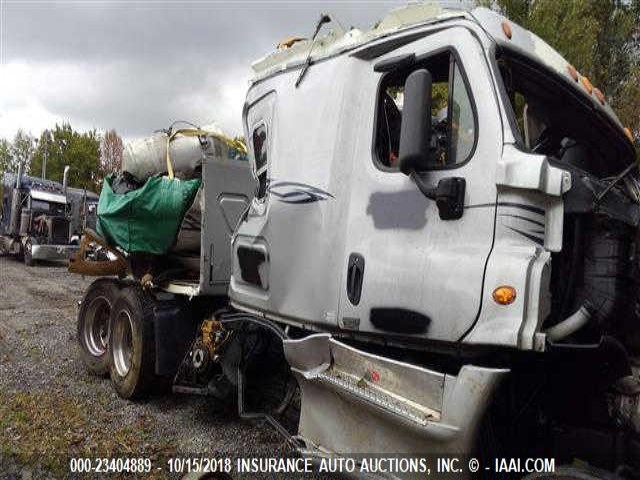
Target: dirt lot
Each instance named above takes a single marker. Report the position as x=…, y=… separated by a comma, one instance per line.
x=51, y=408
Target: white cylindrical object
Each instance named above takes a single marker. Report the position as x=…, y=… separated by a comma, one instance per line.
x=65, y=177
x=569, y=325
x=19, y=175
x=147, y=157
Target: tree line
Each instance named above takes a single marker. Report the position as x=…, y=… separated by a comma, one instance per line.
x=600, y=38
x=90, y=155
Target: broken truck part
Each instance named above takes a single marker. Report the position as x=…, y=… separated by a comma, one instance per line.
x=110, y=262
x=396, y=406
x=438, y=249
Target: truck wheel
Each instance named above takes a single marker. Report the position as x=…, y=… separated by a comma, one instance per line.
x=132, y=344
x=93, y=324
x=28, y=256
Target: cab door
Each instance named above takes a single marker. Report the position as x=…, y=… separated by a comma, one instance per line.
x=406, y=270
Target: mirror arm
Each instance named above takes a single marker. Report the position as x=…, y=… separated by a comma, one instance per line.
x=429, y=192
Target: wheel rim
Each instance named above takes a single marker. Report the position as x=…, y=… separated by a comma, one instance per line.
x=122, y=342
x=96, y=326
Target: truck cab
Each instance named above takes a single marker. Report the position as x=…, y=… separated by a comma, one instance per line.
x=444, y=186
x=35, y=219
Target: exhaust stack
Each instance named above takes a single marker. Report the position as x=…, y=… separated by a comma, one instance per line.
x=44, y=163
x=65, y=178
x=16, y=203
x=19, y=175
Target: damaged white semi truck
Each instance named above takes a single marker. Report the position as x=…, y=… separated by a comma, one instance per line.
x=441, y=254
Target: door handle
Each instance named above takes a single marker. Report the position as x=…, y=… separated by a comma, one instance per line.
x=355, y=275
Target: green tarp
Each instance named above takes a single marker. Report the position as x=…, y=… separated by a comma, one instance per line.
x=147, y=219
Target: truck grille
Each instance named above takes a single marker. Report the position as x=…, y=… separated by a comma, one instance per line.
x=59, y=231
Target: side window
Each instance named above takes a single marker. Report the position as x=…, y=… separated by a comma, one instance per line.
x=453, y=128
x=259, y=140
x=463, y=129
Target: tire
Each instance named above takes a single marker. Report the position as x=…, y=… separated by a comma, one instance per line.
x=27, y=255
x=94, y=327
x=132, y=344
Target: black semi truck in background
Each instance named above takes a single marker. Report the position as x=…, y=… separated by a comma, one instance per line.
x=42, y=219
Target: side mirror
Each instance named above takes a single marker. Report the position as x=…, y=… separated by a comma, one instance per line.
x=449, y=197
x=415, y=130
x=415, y=140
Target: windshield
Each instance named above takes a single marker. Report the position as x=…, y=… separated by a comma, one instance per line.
x=49, y=207
x=554, y=120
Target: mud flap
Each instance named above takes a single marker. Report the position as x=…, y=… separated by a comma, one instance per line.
x=357, y=402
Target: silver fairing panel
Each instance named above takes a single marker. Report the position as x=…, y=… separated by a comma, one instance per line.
x=529, y=226
x=228, y=190
x=355, y=402
x=300, y=225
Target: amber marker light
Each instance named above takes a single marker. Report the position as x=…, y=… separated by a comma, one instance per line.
x=599, y=95
x=573, y=72
x=587, y=85
x=627, y=132
x=504, y=295
x=506, y=28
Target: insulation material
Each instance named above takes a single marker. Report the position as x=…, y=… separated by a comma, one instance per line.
x=147, y=157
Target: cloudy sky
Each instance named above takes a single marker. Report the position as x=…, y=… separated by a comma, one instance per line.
x=139, y=65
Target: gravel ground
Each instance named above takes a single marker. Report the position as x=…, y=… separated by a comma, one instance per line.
x=51, y=408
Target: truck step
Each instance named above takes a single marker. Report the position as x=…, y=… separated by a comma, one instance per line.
x=367, y=391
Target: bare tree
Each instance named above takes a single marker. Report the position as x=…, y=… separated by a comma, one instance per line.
x=111, y=150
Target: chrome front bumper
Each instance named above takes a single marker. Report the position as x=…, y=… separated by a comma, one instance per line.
x=53, y=252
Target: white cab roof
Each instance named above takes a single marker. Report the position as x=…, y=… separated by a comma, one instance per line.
x=337, y=41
